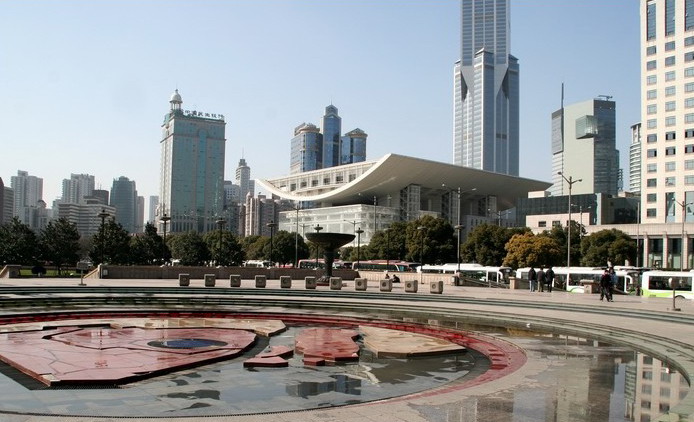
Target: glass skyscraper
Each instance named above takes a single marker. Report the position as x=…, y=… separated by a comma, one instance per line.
x=486, y=90
x=306, y=149
x=192, y=168
x=331, y=128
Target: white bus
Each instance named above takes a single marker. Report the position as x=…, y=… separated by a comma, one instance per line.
x=569, y=278
x=499, y=275
x=657, y=284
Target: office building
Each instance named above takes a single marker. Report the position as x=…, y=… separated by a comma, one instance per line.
x=243, y=180
x=77, y=187
x=486, y=90
x=306, y=149
x=153, y=207
x=192, y=168
x=85, y=216
x=331, y=128
x=140, y=214
x=583, y=148
x=28, y=191
x=635, y=160
x=7, y=204
x=353, y=147
x=124, y=200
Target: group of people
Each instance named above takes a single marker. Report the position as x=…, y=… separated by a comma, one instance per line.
x=541, y=280
x=608, y=280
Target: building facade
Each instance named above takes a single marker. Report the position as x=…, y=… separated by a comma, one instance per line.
x=153, y=208
x=331, y=128
x=192, y=168
x=486, y=90
x=124, y=200
x=243, y=180
x=28, y=191
x=77, y=187
x=353, y=147
x=85, y=216
x=584, y=148
x=635, y=160
x=306, y=149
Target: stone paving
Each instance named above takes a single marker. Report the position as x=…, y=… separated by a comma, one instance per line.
x=664, y=337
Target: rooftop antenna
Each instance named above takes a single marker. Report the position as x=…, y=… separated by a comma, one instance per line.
x=605, y=97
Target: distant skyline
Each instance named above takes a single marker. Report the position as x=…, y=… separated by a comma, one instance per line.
x=86, y=84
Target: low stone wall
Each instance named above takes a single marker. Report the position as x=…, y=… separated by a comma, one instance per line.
x=246, y=273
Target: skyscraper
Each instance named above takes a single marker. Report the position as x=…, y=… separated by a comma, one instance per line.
x=77, y=187
x=331, y=129
x=583, y=147
x=667, y=113
x=635, y=160
x=192, y=168
x=486, y=90
x=243, y=180
x=28, y=191
x=124, y=200
x=353, y=147
x=306, y=149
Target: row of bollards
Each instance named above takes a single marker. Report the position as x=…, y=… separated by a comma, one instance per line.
x=360, y=284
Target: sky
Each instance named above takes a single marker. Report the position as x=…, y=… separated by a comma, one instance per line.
x=85, y=85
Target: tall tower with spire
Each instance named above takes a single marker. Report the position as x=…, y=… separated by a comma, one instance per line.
x=192, y=168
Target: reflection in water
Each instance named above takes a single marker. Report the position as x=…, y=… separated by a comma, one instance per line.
x=341, y=384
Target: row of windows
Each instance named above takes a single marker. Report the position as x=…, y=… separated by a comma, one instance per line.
x=669, y=166
x=670, y=61
x=670, y=136
x=669, y=76
x=669, y=182
x=670, y=24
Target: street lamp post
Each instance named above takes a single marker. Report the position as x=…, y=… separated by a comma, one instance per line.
x=220, y=223
x=272, y=226
x=375, y=217
x=102, y=215
x=638, y=224
x=354, y=225
x=317, y=228
x=570, y=181
x=164, y=220
x=684, y=205
x=358, y=231
x=458, y=226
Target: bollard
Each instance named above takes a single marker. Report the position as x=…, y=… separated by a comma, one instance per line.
x=260, y=281
x=386, y=285
x=437, y=287
x=335, y=283
x=184, y=279
x=310, y=282
x=210, y=280
x=411, y=286
x=360, y=284
x=235, y=280
x=285, y=282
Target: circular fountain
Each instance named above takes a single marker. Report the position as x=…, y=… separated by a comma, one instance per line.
x=330, y=243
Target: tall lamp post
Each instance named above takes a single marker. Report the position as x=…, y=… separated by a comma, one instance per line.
x=102, y=215
x=164, y=220
x=358, y=231
x=317, y=228
x=220, y=223
x=570, y=181
x=638, y=225
x=458, y=226
x=272, y=226
x=684, y=205
x=296, y=239
x=421, y=245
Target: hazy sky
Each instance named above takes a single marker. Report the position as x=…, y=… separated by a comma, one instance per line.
x=84, y=85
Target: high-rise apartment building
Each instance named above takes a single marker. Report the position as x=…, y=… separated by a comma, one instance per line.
x=353, y=147
x=153, y=208
x=486, y=90
x=583, y=147
x=192, y=168
x=124, y=200
x=331, y=128
x=306, y=149
x=667, y=112
x=635, y=160
x=77, y=187
x=243, y=180
x=28, y=191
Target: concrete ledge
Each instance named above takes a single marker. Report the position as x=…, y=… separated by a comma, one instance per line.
x=310, y=282
x=437, y=287
x=411, y=286
x=335, y=283
x=386, y=285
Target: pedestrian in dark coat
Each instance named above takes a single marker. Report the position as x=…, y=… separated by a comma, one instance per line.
x=606, y=285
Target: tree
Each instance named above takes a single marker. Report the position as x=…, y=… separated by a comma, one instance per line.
x=284, y=247
x=252, y=246
x=189, y=248
x=436, y=238
x=148, y=248
x=111, y=244
x=486, y=244
x=226, y=253
x=559, y=234
x=386, y=244
x=606, y=246
x=18, y=244
x=526, y=249
x=60, y=243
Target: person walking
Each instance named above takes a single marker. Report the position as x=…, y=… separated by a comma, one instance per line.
x=549, y=278
x=541, y=280
x=605, y=285
x=532, y=278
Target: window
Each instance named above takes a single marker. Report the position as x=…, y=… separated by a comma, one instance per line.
x=669, y=136
x=670, y=91
x=651, y=94
x=670, y=151
x=689, y=56
x=650, y=21
x=689, y=164
x=652, y=197
x=689, y=72
x=689, y=133
x=651, y=79
x=670, y=166
x=651, y=138
x=688, y=15
x=651, y=183
x=688, y=149
x=670, y=76
x=669, y=46
x=670, y=106
x=687, y=42
x=650, y=212
x=669, y=181
x=652, y=123
x=670, y=18
x=670, y=61
x=689, y=118
x=670, y=121
x=652, y=168
x=326, y=180
x=652, y=153
x=689, y=87
x=652, y=109
x=541, y=224
x=689, y=102
x=689, y=180
x=314, y=183
x=651, y=50
x=650, y=65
